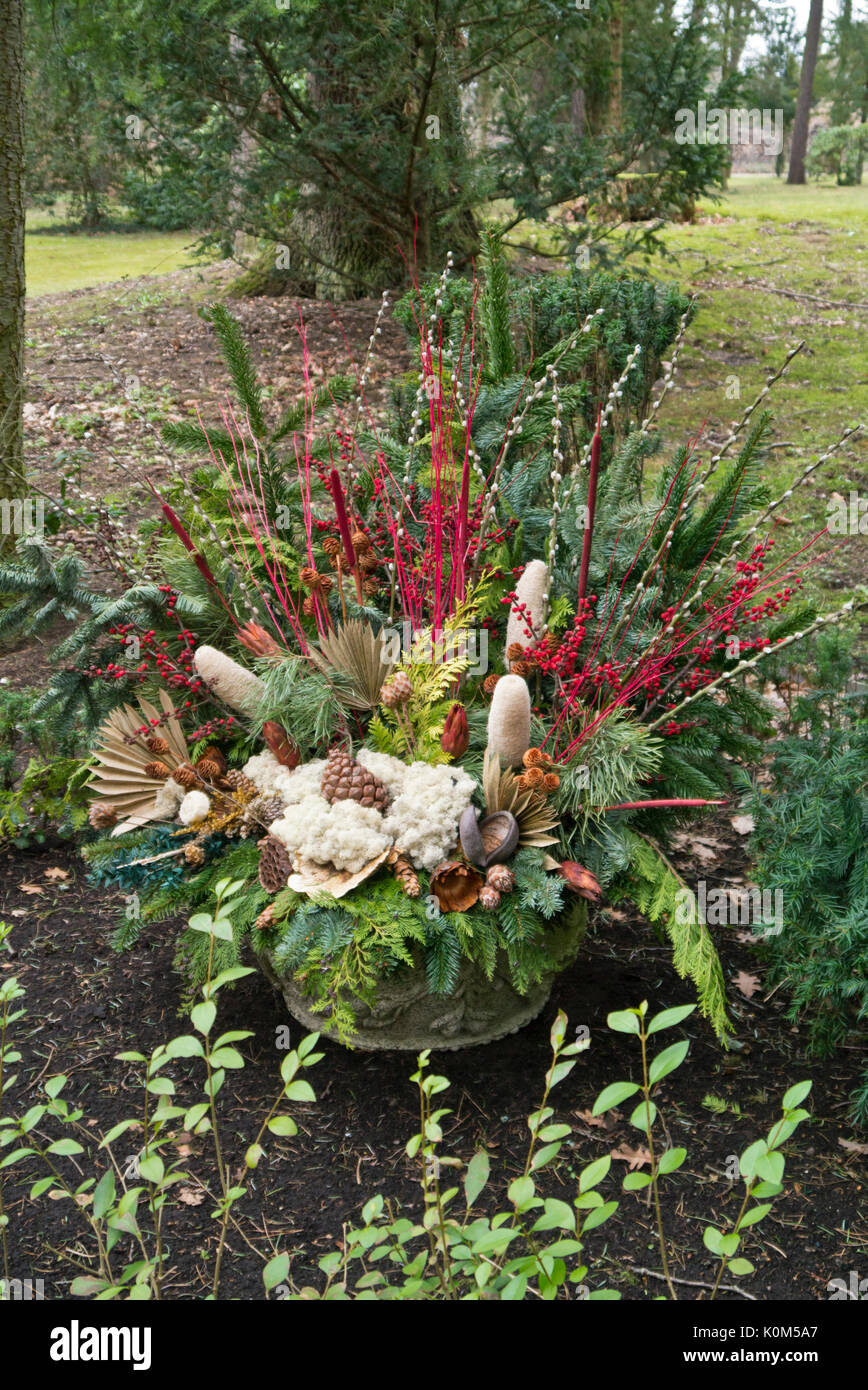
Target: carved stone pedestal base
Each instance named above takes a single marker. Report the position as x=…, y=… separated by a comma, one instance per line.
x=407, y=1018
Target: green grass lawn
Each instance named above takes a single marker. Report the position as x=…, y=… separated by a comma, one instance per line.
x=58, y=260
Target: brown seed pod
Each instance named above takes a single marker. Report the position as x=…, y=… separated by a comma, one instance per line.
x=535, y=757
x=157, y=745
x=280, y=744
x=551, y=782
x=209, y=769
x=581, y=880
x=361, y=542
x=331, y=546
x=185, y=776
x=308, y=577
x=455, y=885
x=308, y=608
x=520, y=668
x=490, y=682
x=514, y=652
x=534, y=777
x=214, y=755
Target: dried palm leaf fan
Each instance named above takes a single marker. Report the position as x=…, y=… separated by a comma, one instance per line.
x=122, y=755
x=354, y=650
x=533, y=812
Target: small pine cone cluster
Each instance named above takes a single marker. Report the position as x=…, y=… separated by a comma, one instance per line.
x=532, y=779
x=489, y=898
x=262, y=812
x=237, y=781
x=265, y=920
x=157, y=769
x=500, y=878
x=102, y=815
x=332, y=549
x=185, y=776
x=157, y=745
x=345, y=779
x=490, y=682
x=194, y=854
x=404, y=873
x=317, y=583
x=275, y=865
x=535, y=757
x=397, y=690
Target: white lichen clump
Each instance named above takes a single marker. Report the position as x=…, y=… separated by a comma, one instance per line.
x=345, y=834
x=423, y=819
x=273, y=779
x=194, y=808
x=167, y=800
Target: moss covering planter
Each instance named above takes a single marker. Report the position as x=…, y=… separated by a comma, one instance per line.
x=407, y=1017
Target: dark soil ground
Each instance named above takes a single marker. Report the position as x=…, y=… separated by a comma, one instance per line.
x=86, y=1003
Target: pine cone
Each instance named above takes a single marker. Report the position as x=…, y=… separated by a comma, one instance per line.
x=521, y=668
x=214, y=755
x=157, y=769
x=344, y=778
x=308, y=607
x=332, y=547
x=361, y=542
x=157, y=745
x=102, y=815
x=397, y=690
x=371, y=586
x=500, y=878
x=185, y=776
x=239, y=781
x=490, y=682
x=262, y=812
x=209, y=769
x=532, y=779
x=535, y=757
x=275, y=865
x=265, y=920
x=194, y=854
x=404, y=873
x=489, y=898
x=551, y=782
x=514, y=652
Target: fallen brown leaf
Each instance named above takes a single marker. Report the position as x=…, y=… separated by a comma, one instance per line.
x=637, y=1158
x=190, y=1196
x=30, y=888
x=746, y=984
x=56, y=873
x=742, y=825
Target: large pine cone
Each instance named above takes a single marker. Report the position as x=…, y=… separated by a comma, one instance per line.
x=275, y=865
x=345, y=779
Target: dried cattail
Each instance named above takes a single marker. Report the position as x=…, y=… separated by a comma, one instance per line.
x=509, y=720
x=531, y=597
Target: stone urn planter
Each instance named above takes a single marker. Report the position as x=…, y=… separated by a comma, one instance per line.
x=408, y=1018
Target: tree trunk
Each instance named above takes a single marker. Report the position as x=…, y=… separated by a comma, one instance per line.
x=11, y=250
x=616, y=63
x=802, y=120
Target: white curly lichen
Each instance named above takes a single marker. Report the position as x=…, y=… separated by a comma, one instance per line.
x=234, y=684
x=422, y=820
x=509, y=720
x=531, y=595
x=168, y=799
x=345, y=834
x=273, y=779
x=194, y=808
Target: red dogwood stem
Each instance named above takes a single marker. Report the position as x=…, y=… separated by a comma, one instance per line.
x=596, y=446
